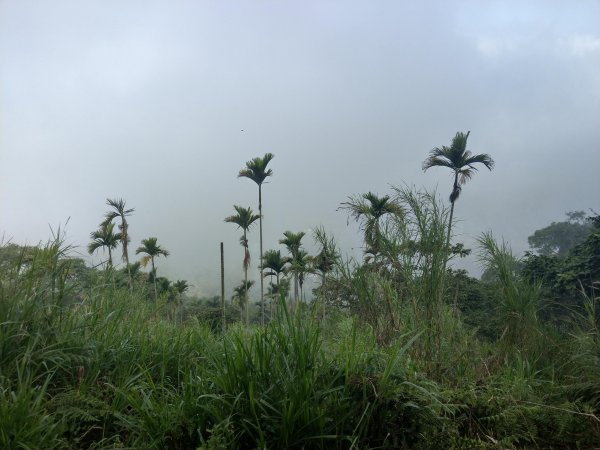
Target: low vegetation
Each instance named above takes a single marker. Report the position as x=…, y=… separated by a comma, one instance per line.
x=398, y=350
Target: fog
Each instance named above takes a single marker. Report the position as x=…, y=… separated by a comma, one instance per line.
x=162, y=103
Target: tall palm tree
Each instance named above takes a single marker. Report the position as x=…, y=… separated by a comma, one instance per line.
x=369, y=209
x=461, y=161
x=104, y=237
x=293, y=242
x=244, y=220
x=152, y=250
x=256, y=170
x=180, y=286
x=299, y=266
x=325, y=260
x=119, y=211
x=240, y=294
x=274, y=262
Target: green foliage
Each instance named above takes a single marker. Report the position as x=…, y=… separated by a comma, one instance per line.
x=397, y=362
x=559, y=238
x=519, y=300
x=458, y=159
x=104, y=237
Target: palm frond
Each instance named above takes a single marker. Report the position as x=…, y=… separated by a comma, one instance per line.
x=256, y=169
x=119, y=205
x=244, y=218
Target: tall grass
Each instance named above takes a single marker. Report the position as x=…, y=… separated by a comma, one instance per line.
x=99, y=367
x=519, y=299
x=111, y=371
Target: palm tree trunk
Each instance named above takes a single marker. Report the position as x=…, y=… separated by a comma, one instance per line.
x=154, y=276
x=454, y=187
x=124, y=242
x=246, y=303
x=323, y=286
x=278, y=293
x=262, y=317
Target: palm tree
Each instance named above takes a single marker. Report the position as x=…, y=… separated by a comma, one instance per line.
x=244, y=220
x=180, y=287
x=325, y=260
x=275, y=263
x=256, y=170
x=240, y=294
x=152, y=250
x=293, y=242
x=119, y=210
x=369, y=209
x=104, y=237
x=299, y=266
x=461, y=161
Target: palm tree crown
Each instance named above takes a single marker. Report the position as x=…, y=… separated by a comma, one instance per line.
x=458, y=159
x=292, y=241
x=273, y=261
x=244, y=218
x=369, y=209
x=256, y=169
x=104, y=237
x=152, y=250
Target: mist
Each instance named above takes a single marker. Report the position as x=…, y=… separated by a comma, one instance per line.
x=162, y=103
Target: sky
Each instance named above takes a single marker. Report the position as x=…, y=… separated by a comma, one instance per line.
x=161, y=103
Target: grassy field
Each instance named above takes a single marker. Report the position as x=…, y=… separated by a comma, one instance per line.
x=85, y=363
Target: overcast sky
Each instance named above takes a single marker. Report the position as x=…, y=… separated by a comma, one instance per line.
x=147, y=100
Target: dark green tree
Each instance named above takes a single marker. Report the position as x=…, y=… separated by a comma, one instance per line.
x=559, y=238
x=244, y=219
x=293, y=242
x=120, y=211
x=104, y=237
x=240, y=296
x=274, y=263
x=462, y=162
x=152, y=250
x=369, y=210
x=325, y=261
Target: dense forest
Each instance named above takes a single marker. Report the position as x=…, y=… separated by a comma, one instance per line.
x=396, y=350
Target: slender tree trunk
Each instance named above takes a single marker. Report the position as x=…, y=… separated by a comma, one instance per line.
x=124, y=243
x=246, y=302
x=223, y=285
x=154, y=276
x=262, y=316
x=454, y=187
x=278, y=293
x=109, y=257
x=323, y=286
x=246, y=297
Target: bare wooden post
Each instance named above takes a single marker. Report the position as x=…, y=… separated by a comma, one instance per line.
x=223, y=286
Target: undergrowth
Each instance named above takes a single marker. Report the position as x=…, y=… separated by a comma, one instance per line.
x=103, y=368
